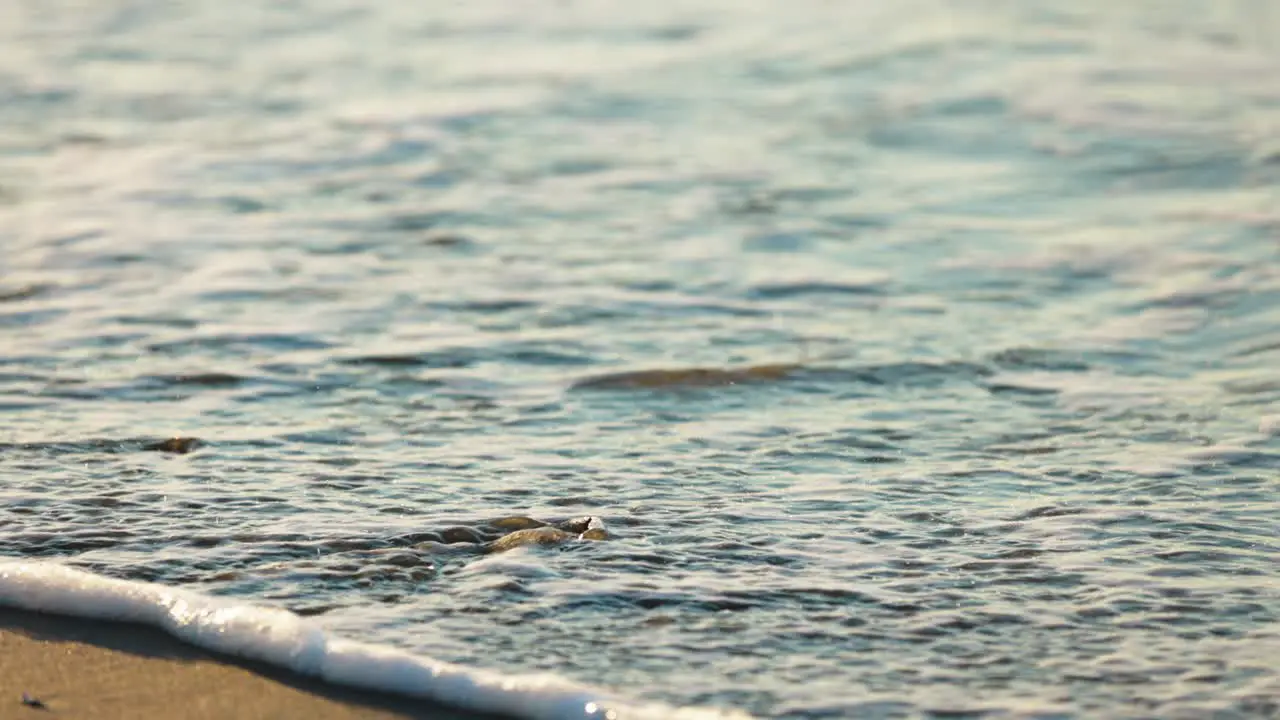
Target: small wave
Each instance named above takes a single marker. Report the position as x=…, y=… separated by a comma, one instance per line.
x=284, y=639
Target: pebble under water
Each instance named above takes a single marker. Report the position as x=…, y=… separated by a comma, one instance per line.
x=913, y=359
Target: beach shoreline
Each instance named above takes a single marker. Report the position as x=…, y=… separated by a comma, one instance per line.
x=78, y=668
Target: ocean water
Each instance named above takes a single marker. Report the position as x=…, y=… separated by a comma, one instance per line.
x=985, y=298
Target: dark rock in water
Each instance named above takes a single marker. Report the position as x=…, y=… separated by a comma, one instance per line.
x=583, y=528
x=579, y=525
x=460, y=534
x=687, y=377
x=177, y=445
x=530, y=536
x=517, y=522
x=506, y=533
x=586, y=528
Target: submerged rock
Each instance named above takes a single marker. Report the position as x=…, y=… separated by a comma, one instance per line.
x=517, y=522
x=176, y=445
x=529, y=536
x=511, y=532
x=584, y=528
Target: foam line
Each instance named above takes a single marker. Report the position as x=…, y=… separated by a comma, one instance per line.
x=281, y=638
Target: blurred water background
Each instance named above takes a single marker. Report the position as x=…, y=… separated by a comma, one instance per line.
x=1015, y=262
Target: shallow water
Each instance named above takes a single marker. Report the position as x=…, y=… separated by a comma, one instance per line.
x=1010, y=270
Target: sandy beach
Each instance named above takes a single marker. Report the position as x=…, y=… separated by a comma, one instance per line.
x=102, y=670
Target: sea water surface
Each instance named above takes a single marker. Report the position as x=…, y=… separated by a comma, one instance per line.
x=1012, y=268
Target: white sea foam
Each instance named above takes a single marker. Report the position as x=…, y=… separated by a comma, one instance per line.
x=280, y=638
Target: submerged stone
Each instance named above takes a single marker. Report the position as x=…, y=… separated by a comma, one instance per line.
x=176, y=445
x=531, y=536
x=517, y=522
x=508, y=533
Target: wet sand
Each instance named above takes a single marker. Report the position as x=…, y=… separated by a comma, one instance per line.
x=90, y=669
